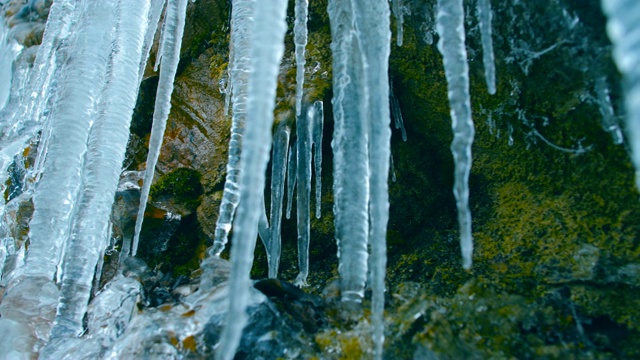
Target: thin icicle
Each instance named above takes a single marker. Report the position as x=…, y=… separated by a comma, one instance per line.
x=172, y=39
x=372, y=23
x=241, y=35
x=350, y=153
x=263, y=227
x=278, y=174
x=304, y=146
x=267, y=49
x=484, y=16
x=450, y=25
x=155, y=13
x=318, y=128
x=399, y=14
x=393, y=169
x=609, y=119
x=107, y=145
x=292, y=175
x=300, y=39
x=397, y=113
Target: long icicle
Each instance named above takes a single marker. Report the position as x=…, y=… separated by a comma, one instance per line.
x=318, y=128
x=485, y=15
x=373, y=29
x=292, y=176
x=267, y=49
x=350, y=153
x=107, y=144
x=450, y=25
x=300, y=39
x=278, y=174
x=172, y=39
x=304, y=147
x=241, y=35
x=623, y=27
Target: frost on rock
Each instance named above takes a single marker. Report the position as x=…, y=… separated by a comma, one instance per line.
x=170, y=44
x=450, y=25
x=267, y=49
x=242, y=22
x=623, y=27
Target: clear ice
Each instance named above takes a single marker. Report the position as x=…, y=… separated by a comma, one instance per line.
x=300, y=39
x=170, y=44
x=484, y=16
x=450, y=25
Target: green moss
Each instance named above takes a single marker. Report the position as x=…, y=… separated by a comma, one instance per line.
x=182, y=185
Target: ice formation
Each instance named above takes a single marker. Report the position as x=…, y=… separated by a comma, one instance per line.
x=242, y=19
x=624, y=30
x=484, y=17
x=450, y=25
x=170, y=45
x=278, y=175
x=267, y=49
x=300, y=39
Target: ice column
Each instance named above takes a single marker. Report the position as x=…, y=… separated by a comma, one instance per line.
x=107, y=145
x=350, y=152
x=278, y=174
x=623, y=27
x=300, y=39
x=485, y=15
x=172, y=41
x=304, y=144
x=241, y=35
x=450, y=25
x=374, y=35
x=318, y=128
x=267, y=49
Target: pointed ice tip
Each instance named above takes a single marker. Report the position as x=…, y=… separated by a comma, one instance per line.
x=466, y=263
x=638, y=180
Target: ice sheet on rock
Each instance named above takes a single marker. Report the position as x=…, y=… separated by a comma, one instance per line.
x=241, y=34
x=300, y=40
x=278, y=174
x=172, y=40
x=304, y=144
x=484, y=16
x=450, y=25
x=292, y=175
x=350, y=152
x=374, y=36
x=267, y=49
x=318, y=128
x=103, y=163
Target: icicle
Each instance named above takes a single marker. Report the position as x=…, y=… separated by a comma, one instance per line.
x=172, y=39
x=278, y=174
x=318, y=128
x=292, y=175
x=350, y=153
x=300, y=39
x=397, y=113
x=107, y=145
x=484, y=16
x=609, y=119
x=304, y=146
x=450, y=25
x=241, y=35
x=153, y=19
x=267, y=48
x=372, y=23
x=263, y=227
x=393, y=169
x=399, y=14
x=9, y=50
